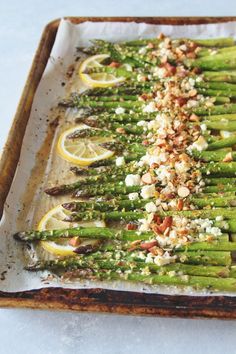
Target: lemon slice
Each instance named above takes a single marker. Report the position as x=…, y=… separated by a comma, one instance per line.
x=53, y=220
x=97, y=79
x=82, y=151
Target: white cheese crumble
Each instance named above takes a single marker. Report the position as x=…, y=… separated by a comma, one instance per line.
x=159, y=72
x=150, y=108
x=133, y=196
x=163, y=174
x=120, y=110
x=142, y=123
x=166, y=258
x=182, y=166
x=203, y=127
x=148, y=191
x=225, y=134
x=142, y=50
x=219, y=218
x=120, y=161
x=132, y=180
x=200, y=144
x=151, y=207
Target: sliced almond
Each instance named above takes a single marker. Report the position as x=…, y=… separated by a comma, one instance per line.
x=147, y=178
x=183, y=192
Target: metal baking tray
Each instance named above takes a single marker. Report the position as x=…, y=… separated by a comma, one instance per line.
x=99, y=300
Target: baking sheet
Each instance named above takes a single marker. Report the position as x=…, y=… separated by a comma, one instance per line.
x=26, y=202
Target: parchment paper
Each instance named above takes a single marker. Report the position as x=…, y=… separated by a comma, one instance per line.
x=23, y=213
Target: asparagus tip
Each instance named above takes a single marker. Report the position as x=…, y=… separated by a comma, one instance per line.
x=55, y=190
x=19, y=236
x=36, y=266
x=69, y=206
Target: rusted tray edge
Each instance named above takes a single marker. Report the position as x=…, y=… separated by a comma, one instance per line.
x=97, y=300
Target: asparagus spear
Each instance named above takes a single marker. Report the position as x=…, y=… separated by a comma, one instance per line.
x=225, y=61
x=199, y=282
x=227, y=213
x=108, y=189
x=219, y=168
x=125, y=264
x=214, y=181
x=222, y=143
x=217, y=155
x=221, y=109
x=220, y=76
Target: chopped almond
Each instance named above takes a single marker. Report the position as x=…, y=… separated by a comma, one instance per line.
x=134, y=245
x=228, y=157
x=161, y=36
x=74, y=242
x=148, y=245
x=120, y=130
x=145, y=142
x=167, y=223
x=150, y=45
x=170, y=69
x=191, y=55
x=156, y=251
x=157, y=219
x=180, y=204
x=131, y=226
x=192, y=93
x=114, y=64
x=193, y=118
x=181, y=101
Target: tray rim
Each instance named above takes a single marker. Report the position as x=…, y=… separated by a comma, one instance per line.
x=95, y=299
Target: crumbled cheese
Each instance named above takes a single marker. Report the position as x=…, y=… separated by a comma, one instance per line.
x=144, y=225
x=226, y=134
x=120, y=110
x=142, y=123
x=192, y=103
x=148, y=191
x=200, y=144
x=149, y=108
x=163, y=174
x=191, y=82
x=182, y=166
x=203, y=127
x=157, y=157
x=133, y=196
x=183, y=47
x=120, y=161
x=132, y=180
x=150, y=207
x=149, y=258
x=198, y=79
x=153, y=125
x=164, y=259
x=159, y=72
x=216, y=231
x=219, y=218
x=142, y=50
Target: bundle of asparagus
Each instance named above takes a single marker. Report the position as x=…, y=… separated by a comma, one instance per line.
x=167, y=190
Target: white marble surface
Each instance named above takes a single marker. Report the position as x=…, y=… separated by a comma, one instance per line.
x=42, y=332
